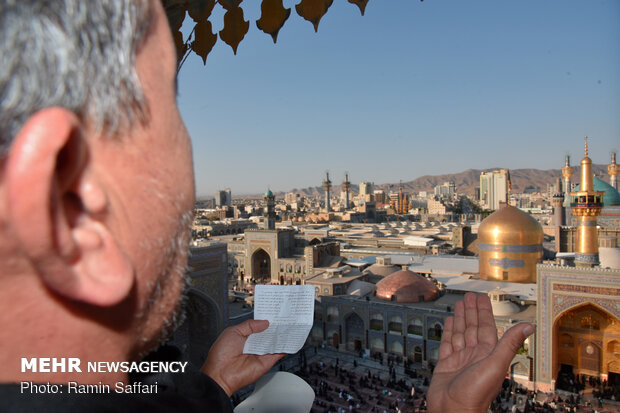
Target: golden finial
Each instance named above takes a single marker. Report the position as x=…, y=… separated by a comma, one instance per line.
x=586, y=151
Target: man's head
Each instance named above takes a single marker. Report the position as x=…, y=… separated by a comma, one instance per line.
x=73, y=54
x=96, y=182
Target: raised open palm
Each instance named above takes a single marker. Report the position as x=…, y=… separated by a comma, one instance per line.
x=472, y=363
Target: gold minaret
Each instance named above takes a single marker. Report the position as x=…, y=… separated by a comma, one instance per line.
x=586, y=204
x=613, y=169
x=567, y=172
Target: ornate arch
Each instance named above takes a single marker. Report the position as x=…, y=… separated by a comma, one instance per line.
x=571, y=343
x=563, y=304
x=354, y=328
x=261, y=264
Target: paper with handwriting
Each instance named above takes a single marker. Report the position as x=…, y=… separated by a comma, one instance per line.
x=290, y=312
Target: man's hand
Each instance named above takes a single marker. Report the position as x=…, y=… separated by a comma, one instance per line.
x=228, y=366
x=472, y=363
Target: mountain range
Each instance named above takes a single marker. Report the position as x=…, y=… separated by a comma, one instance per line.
x=466, y=181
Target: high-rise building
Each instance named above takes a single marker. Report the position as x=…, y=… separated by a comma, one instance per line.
x=494, y=188
x=399, y=201
x=366, y=188
x=293, y=199
x=379, y=195
x=220, y=198
x=223, y=198
x=447, y=190
x=436, y=207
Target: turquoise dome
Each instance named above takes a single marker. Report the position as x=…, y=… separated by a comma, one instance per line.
x=269, y=193
x=611, y=197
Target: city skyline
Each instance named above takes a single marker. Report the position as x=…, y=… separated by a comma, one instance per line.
x=435, y=88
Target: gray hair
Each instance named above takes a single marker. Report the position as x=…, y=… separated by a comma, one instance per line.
x=76, y=54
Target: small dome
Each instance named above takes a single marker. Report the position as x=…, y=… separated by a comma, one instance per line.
x=611, y=197
x=504, y=308
x=609, y=257
x=361, y=288
x=268, y=193
x=407, y=287
x=382, y=270
x=500, y=304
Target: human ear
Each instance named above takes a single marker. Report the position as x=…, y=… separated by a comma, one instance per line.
x=57, y=208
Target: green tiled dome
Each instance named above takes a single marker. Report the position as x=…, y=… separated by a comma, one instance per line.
x=611, y=197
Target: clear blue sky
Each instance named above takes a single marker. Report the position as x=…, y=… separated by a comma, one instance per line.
x=411, y=88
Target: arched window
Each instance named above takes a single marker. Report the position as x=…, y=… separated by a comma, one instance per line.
x=417, y=354
x=376, y=322
x=434, y=333
x=396, y=347
x=614, y=347
x=332, y=314
x=333, y=339
x=415, y=327
x=395, y=325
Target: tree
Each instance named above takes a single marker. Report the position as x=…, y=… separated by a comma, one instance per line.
x=202, y=39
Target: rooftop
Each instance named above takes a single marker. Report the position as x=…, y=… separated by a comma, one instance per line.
x=443, y=304
x=525, y=292
x=444, y=264
x=342, y=277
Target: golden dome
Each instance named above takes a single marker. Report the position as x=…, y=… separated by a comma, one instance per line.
x=510, y=244
x=510, y=225
x=406, y=287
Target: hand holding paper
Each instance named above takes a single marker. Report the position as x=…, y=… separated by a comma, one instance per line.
x=228, y=366
x=290, y=312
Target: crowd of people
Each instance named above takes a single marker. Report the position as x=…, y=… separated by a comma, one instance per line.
x=339, y=389
x=365, y=385
x=515, y=398
x=576, y=383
